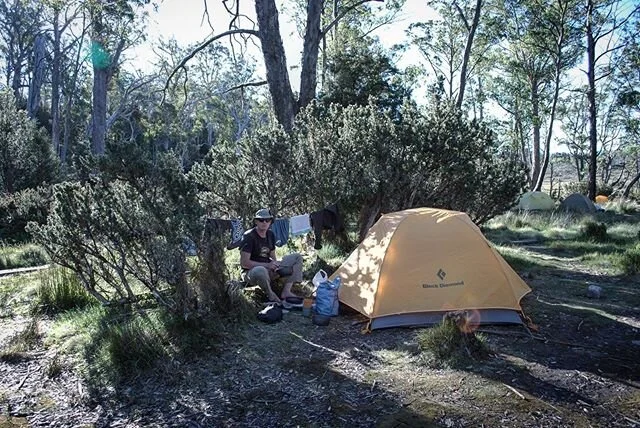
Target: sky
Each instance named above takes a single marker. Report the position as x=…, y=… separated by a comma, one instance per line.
x=183, y=20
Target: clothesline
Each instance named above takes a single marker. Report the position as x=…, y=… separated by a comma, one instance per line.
x=327, y=218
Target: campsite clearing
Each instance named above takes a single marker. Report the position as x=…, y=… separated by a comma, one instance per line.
x=579, y=369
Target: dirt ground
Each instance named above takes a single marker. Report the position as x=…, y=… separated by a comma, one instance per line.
x=581, y=368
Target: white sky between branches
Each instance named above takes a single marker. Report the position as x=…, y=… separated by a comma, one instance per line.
x=183, y=20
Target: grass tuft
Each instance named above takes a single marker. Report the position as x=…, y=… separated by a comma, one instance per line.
x=629, y=261
x=594, y=231
x=115, y=343
x=20, y=256
x=60, y=290
x=451, y=344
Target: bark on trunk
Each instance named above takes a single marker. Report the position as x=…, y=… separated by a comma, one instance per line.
x=627, y=188
x=591, y=97
x=535, y=100
x=284, y=103
x=35, y=86
x=308, y=75
x=55, y=85
x=99, y=114
x=467, y=52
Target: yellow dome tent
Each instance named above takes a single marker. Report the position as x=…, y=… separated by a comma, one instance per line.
x=534, y=201
x=415, y=265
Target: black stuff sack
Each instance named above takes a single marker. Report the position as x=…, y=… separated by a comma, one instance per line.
x=271, y=314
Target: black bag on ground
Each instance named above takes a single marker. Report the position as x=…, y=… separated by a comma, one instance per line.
x=271, y=314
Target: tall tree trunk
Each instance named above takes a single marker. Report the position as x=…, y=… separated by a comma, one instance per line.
x=535, y=161
x=591, y=97
x=467, y=50
x=627, y=188
x=55, y=84
x=39, y=66
x=310, y=53
x=99, y=113
x=275, y=62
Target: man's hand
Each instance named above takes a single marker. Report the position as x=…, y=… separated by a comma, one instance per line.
x=273, y=265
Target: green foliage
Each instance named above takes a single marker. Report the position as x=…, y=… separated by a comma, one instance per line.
x=17, y=209
x=368, y=159
x=358, y=68
x=255, y=171
x=60, y=290
x=122, y=231
x=12, y=257
x=26, y=158
x=594, y=231
x=629, y=261
x=449, y=344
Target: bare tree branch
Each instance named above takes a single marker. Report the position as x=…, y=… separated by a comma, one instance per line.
x=205, y=15
x=201, y=47
x=245, y=85
x=343, y=13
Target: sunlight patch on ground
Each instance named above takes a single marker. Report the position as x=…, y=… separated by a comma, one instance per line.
x=635, y=323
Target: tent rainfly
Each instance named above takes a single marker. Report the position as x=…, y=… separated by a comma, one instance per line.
x=416, y=265
x=578, y=203
x=535, y=201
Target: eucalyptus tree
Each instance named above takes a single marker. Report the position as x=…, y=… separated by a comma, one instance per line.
x=19, y=26
x=266, y=28
x=574, y=120
x=113, y=29
x=604, y=19
x=540, y=44
x=627, y=79
x=209, y=104
x=455, y=44
x=359, y=68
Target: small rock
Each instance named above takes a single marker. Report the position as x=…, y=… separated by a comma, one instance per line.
x=594, y=292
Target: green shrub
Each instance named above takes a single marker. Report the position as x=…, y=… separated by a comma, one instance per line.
x=124, y=229
x=27, y=159
x=594, y=231
x=17, y=209
x=451, y=343
x=629, y=261
x=60, y=290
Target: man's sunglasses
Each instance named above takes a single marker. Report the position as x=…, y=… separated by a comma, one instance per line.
x=263, y=220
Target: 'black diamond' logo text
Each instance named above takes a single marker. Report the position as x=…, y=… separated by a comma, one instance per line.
x=441, y=274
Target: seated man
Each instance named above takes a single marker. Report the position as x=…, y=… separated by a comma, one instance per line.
x=258, y=259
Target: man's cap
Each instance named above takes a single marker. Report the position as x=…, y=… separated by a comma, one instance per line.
x=263, y=213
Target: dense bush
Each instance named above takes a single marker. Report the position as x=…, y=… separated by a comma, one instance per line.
x=17, y=209
x=122, y=231
x=26, y=157
x=369, y=160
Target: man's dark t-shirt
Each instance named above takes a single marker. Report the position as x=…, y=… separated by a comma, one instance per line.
x=259, y=248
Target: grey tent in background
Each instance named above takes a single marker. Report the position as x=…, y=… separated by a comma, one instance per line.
x=578, y=203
